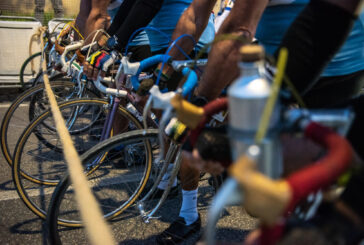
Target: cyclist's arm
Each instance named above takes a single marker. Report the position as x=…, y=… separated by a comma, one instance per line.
x=85, y=9
x=222, y=64
x=132, y=16
x=193, y=21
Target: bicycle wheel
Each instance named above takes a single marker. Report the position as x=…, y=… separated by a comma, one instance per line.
x=38, y=161
x=18, y=115
x=117, y=183
x=128, y=227
x=27, y=73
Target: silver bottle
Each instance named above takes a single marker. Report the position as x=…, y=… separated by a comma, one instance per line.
x=248, y=96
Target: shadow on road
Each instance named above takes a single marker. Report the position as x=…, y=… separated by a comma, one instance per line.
x=32, y=226
x=7, y=186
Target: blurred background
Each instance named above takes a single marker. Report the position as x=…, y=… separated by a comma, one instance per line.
x=28, y=8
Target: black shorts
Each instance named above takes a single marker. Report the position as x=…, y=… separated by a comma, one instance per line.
x=312, y=40
x=330, y=91
x=139, y=52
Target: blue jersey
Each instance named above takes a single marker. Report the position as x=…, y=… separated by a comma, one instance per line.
x=166, y=21
x=279, y=15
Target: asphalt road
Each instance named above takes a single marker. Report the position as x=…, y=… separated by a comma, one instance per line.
x=18, y=225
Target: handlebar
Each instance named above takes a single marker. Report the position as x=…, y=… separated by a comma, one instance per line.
x=191, y=81
x=145, y=64
x=67, y=49
x=106, y=90
x=281, y=196
x=85, y=48
x=178, y=65
x=326, y=170
x=195, y=117
x=339, y=119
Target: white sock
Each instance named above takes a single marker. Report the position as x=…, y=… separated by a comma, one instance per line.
x=189, y=206
x=165, y=179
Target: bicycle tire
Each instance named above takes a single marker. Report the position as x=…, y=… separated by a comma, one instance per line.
x=133, y=231
x=128, y=139
x=51, y=167
x=133, y=228
x=68, y=121
x=24, y=66
x=10, y=115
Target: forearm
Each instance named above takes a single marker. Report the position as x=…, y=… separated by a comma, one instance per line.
x=222, y=67
x=98, y=17
x=193, y=22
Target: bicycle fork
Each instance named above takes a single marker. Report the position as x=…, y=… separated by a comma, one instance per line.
x=147, y=215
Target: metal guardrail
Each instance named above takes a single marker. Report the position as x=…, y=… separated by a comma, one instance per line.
x=6, y=17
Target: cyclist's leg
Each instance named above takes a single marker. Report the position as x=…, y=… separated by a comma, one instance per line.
x=85, y=8
x=189, y=221
x=325, y=93
x=139, y=52
x=189, y=181
x=98, y=17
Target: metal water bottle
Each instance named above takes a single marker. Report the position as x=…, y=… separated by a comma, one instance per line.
x=248, y=96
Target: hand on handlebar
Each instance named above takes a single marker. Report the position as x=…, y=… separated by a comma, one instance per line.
x=98, y=61
x=147, y=84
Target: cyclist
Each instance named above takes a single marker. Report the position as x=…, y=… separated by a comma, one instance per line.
x=165, y=20
x=242, y=21
x=126, y=21
x=168, y=11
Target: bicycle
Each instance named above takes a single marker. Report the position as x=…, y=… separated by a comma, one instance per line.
x=30, y=71
x=34, y=98
x=21, y=174
x=60, y=208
